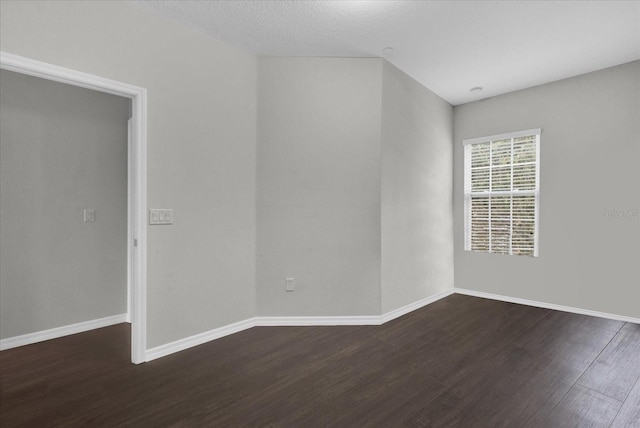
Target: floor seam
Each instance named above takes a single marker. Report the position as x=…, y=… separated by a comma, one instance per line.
x=625, y=401
x=507, y=344
x=597, y=392
x=585, y=370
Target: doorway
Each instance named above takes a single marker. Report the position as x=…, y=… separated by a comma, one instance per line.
x=136, y=186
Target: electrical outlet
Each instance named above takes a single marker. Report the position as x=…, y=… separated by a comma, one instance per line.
x=89, y=215
x=291, y=284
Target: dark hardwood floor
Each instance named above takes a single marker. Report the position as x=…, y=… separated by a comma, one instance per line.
x=461, y=361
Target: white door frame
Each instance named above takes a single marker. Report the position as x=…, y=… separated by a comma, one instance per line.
x=137, y=179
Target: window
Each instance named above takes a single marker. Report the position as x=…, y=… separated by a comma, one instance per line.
x=501, y=193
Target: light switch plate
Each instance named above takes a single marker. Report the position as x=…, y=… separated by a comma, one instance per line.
x=89, y=215
x=160, y=216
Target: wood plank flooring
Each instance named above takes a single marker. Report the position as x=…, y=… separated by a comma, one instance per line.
x=459, y=362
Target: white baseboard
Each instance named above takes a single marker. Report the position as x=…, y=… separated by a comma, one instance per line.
x=350, y=320
x=316, y=321
x=217, y=333
x=546, y=305
x=396, y=313
x=54, y=333
x=198, y=339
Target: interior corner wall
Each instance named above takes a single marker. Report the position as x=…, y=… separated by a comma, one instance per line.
x=319, y=186
x=201, y=147
x=416, y=201
x=589, y=192
x=62, y=149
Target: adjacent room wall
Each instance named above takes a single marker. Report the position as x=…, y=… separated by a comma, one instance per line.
x=417, y=218
x=62, y=149
x=319, y=186
x=590, y=191
x=201, y=147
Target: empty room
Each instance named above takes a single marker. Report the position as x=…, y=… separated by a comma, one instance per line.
x=377, y=213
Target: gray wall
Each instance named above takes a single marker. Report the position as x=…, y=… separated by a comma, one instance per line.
x=201, y=147
x=590, y=165
x=417, y=218
x=319, y=186
x=62, y=149
x=334, y=198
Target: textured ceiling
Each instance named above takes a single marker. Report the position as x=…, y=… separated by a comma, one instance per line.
x=448, y=46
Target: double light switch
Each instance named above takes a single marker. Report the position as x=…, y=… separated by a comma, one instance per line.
x=161, y=216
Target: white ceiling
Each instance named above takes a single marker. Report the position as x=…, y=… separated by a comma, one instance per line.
x=448, y=46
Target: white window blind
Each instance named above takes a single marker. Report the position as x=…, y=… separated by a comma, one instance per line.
x=501, y=190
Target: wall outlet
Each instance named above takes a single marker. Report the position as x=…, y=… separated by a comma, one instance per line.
x=161, y=216
x=290, y=284
x=89, y=215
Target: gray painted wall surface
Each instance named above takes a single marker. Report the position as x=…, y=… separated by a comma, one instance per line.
x=201, y=147
x=62, y=149
x=319, y=186
x=590, y=163
x=417, y=218
x=333, y=195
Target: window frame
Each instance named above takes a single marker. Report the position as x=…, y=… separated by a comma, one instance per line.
x=468, y=194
